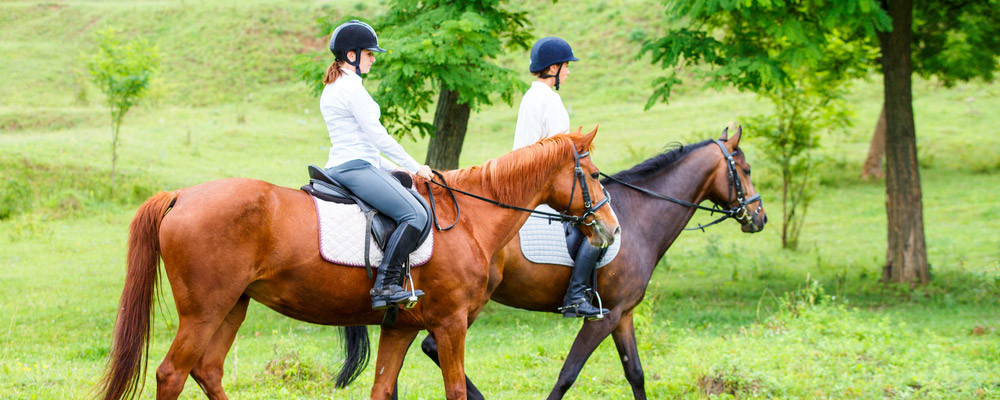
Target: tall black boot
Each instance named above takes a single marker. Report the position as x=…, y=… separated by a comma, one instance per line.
x=387, y=290
x=575, y=303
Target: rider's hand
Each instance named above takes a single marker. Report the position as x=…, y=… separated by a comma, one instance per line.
x=425, y=172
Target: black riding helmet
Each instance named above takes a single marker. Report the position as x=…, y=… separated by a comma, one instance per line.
x=549, y=51
x=354, y=36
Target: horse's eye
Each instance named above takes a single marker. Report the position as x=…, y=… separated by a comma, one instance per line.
x=595, y=175
x=747, y=171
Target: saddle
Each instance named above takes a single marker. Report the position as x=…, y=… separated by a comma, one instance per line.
x=380, y=226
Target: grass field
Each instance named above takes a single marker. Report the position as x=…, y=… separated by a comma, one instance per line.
x=723, y=310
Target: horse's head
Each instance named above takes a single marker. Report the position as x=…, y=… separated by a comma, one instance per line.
x=577, y=190
x=731, y=187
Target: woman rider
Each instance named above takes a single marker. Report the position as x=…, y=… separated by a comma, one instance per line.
x=357, y=140
x=541, y=115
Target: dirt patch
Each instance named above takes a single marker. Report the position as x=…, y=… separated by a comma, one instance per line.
x=979, y=330
x=309, y=42
x=719, y=384
x=51, y=6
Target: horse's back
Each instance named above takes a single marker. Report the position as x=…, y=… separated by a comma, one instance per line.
x=235, y=219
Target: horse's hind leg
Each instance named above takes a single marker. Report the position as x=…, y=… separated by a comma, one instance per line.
x=590, y=336
x=209, y=369
x=624, y=336
x=197, y=323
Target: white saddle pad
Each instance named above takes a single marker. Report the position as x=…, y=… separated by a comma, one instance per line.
x=342, y=237
x=544, y=242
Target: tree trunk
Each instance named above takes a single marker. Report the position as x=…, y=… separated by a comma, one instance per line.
x=450, y=123
x=876, y=151
x=906, y=254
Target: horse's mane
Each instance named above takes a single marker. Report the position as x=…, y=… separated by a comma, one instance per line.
x=504, y=177
x=659, y=162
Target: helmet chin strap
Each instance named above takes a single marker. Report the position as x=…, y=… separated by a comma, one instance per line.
x=357, y=61
x=558, y=72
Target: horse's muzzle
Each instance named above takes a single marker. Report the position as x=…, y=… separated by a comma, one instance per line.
x=755, y=221
x=601, y=236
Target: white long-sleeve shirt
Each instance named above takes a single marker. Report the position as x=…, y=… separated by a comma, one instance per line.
x=540, y=115
x=352, y=119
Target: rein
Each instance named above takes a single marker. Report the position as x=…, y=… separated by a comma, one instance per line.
x=738, y=212
x=584, y=219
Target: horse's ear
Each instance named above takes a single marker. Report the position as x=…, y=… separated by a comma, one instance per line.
x=734, y=141
x=587, y=139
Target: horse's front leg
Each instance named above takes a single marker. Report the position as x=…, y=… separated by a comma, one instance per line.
x=430, y=348
x=392, y=346
x=624, y=336
x=451, y=351
x=590, y=336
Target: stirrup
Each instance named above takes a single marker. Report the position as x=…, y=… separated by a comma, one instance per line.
x=412, y=300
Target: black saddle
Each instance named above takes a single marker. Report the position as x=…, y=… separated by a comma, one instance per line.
x=324, y=187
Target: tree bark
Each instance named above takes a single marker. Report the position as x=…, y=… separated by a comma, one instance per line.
x=876, y=151
x=906, y=253
x=450, y=123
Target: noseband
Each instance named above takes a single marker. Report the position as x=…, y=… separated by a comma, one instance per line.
x=588, y=217
x=739, y=212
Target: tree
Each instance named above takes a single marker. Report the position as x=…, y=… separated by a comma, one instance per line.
x=954, y=41
x=801, y=109
x=122, y=69
x=447, y=48
x=738, y=57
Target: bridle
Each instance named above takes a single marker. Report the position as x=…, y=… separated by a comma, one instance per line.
x=588, y=218
x=738, y=212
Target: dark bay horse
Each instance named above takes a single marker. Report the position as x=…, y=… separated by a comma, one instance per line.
x=226, y=242
x=649, y=226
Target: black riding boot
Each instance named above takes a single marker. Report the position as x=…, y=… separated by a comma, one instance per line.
x=575, y=303
x=387, y=290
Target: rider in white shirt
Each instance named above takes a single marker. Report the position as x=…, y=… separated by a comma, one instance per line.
x=357, y=141
x=541, y=115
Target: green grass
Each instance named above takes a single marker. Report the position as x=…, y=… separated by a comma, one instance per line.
x=720, y=311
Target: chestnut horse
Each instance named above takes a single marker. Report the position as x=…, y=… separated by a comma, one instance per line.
x=649, y=224
x=228, y=241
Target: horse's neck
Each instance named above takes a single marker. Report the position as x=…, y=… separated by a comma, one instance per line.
x=495, y=225
x=651, y=237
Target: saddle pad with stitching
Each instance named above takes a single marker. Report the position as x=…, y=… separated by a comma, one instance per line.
x=544, y=242
x=342, y=237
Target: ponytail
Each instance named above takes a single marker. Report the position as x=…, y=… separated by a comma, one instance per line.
x=333, y=72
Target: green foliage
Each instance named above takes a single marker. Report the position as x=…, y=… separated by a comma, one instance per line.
x=757, y=46
x=122, y=70
x=956, y=41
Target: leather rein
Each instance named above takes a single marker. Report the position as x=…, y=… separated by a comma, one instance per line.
x=587, y=218
x=739, y=212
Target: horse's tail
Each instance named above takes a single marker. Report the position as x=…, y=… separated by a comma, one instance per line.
x=130, y=351
x=356, y=349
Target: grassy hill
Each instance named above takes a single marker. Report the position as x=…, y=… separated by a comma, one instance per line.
x=721, y=307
